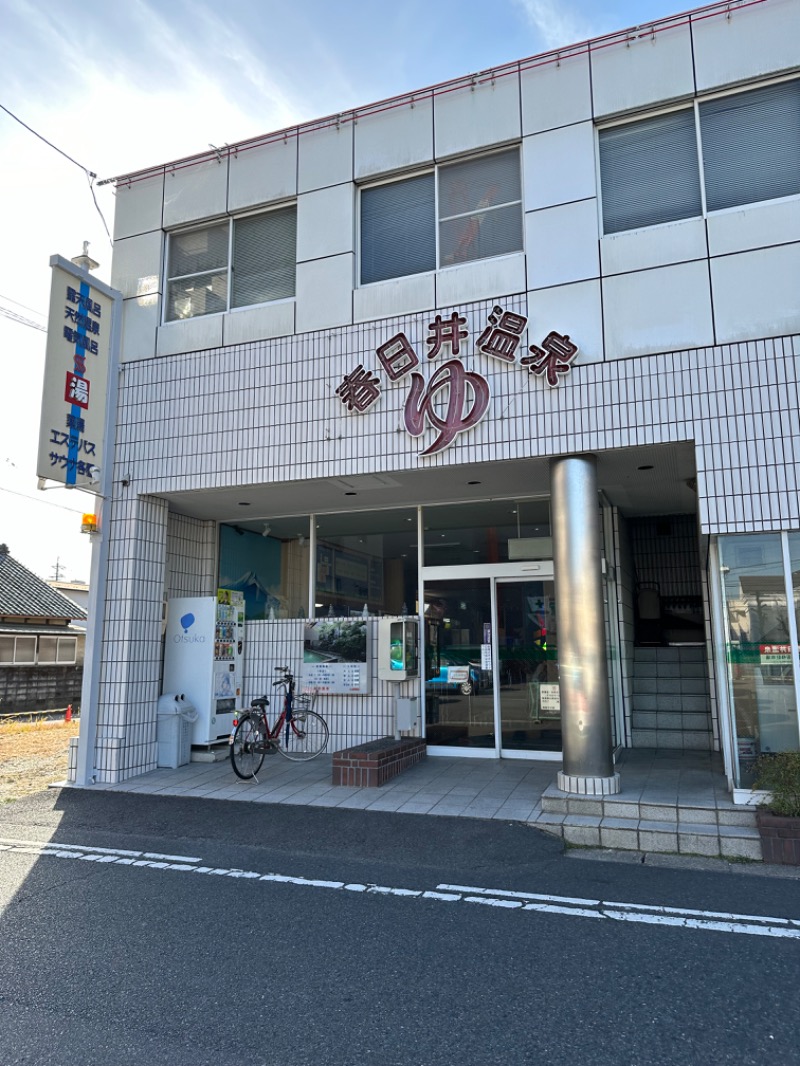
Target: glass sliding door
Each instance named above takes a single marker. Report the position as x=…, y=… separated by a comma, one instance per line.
x=527, y=667
x=491, y=661
x=459, y=700
x=761, y=650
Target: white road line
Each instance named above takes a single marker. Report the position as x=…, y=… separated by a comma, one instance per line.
x=5, y=842
x=503, y=899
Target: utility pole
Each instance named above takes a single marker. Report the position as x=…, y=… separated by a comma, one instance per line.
x=57, y=569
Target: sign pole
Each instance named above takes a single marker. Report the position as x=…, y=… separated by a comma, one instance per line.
x=90, y=692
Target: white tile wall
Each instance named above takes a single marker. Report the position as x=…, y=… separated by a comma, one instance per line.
x=140, y=318
x=558, y=166
x=572, y=309
x=351, y=719
x=654, y=246
x=189, y=335
x=556, y=93
x=724, y=395
x=131, y=652
x=754, y=226
x=482, y=114
x=645, y=67
x=256, y=323
x=138, y=206
x=562, y=244
x=138, y=263
x=195, y=192
x=325, y=222
x=325, y=156
x=263, y=174
x=653, y=310
x=325, y=292
x=726, y=398
x=480, y=280
x=394, y=139
x=752, y=40
x=191, y=560
x=398, y=296
x=757, y=293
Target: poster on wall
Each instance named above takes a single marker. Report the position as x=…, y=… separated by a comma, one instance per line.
x=336, y=656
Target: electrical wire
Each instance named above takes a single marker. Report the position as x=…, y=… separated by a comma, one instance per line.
x=47, y=503
x=23, y=321
x=90, y=174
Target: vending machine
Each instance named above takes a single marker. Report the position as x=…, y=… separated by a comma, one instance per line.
x=203, y=659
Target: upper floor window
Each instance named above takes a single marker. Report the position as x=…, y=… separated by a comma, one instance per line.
x=229, y=264
x=750, y=144
x=462, y=212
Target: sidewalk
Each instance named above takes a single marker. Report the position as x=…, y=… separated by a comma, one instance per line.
x=671, y=802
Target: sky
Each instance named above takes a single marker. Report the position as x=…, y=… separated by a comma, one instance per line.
x=119, y=87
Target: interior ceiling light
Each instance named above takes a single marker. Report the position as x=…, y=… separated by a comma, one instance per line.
x=473, y=482
x=267, y=529
x=243, y=503
x=647, y=466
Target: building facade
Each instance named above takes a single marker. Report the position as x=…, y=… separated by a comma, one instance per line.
x=516, y=355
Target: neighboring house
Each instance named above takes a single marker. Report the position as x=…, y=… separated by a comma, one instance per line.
x=41, y=652
x=78, y=592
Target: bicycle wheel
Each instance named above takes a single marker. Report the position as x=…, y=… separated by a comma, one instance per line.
x=247, y=748
x=305, y=737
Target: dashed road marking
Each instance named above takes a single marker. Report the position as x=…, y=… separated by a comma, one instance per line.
x=503, y=899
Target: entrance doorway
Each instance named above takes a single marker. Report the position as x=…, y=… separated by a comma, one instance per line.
x=492, y=661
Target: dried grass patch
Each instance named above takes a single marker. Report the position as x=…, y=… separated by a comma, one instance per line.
x=32, y=756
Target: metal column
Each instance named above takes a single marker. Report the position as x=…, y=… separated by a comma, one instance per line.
x=582, y=667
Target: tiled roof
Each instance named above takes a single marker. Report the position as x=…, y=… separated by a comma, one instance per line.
x=23, y=593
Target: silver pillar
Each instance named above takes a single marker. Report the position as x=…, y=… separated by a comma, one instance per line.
x=582, y=667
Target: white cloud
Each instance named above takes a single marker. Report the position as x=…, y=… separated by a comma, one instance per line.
x=556, y=24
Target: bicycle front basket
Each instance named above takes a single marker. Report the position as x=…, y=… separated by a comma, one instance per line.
x=302, y=704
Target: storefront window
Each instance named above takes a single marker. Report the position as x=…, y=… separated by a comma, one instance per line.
x=497, y=531
x=759, y=648
x=268, y=562
x=366, y=559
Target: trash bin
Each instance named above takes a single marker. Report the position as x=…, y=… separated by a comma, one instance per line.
x=174, y=732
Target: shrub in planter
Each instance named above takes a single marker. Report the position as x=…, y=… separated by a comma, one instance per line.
x=779, y=818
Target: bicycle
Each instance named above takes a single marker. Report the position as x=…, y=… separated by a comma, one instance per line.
x=299, y=733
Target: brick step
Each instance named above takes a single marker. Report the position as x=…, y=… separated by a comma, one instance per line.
x=638, y=825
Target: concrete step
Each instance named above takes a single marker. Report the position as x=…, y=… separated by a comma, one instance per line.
x=638, y=825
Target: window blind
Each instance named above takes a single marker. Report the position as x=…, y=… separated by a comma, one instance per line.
x=649, y=172
x=264, y=256
x=398, y=229
x=751, y=145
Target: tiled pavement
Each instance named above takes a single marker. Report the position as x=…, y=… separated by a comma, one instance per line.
x=670, y=801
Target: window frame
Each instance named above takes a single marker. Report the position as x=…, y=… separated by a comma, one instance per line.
x=230, y=221
x=435, y=168
x=36, y=638
x=685, y=105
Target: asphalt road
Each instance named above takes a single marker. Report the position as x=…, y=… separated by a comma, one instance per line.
x=159, y=930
